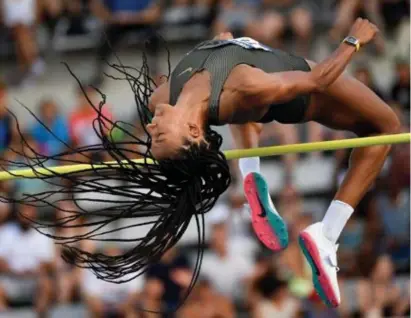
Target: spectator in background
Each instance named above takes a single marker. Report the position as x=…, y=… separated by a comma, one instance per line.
x=204, y=302
x=351, y=243
x=224, y=266
x=400, y=91
x=280, y=15
x=393, y=13
x=151, y=299
x=236, y=16
x=286, y=135
x=174, y=274
x=382, y=296
x=276, y=302
x=348, y=10
x=205, y=12
x=26, y=259
x=52, y=11
x=68, y=278
x=236, y=217
x=27, y=157
x=104, y=299
x=7, y=123
x=188, y=11
x=393, y=206
x=81, y=122
x=76, y=12
x=291, y=263
x=21, y=17
x=121, y=18
x=51, y=140
x=290, y=203
x=5, y=208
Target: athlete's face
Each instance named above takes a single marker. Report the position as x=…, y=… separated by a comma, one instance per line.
x=170, y=132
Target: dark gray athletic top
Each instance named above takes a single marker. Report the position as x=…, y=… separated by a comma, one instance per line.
x=219, y=57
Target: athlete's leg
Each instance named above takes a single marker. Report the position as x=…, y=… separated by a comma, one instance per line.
x=347, y=105
x=286, y=134
x=267, y=223
x=350, y=105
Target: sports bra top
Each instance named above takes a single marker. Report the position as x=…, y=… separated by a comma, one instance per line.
x=219, y=57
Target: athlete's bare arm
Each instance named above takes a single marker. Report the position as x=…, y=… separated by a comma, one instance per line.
x=265, y=89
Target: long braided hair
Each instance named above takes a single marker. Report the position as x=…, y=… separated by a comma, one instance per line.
x=164, y=196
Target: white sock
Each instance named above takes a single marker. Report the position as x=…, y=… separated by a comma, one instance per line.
x=248, y=165
x=335, y=219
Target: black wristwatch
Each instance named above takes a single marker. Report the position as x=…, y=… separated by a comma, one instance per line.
x=353, y=41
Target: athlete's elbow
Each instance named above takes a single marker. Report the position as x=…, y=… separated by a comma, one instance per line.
x=318, y=85
x=319, y=82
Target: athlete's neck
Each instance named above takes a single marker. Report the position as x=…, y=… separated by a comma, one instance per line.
x=194, y=104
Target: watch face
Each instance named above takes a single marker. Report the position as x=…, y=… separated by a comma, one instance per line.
x=352, y=40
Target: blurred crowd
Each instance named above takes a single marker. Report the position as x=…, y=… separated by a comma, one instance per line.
x=238, y=275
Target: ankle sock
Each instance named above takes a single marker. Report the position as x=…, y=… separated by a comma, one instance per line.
x=249, y=165
x=335, y=219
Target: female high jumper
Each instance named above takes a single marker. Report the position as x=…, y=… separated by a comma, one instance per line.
x=238, y=82
x=244, y=84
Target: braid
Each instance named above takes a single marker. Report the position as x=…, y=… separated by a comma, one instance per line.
x=163, y=197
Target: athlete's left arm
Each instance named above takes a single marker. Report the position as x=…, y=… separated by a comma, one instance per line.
x=260, y=88
x=266, y=89
x=284, y=86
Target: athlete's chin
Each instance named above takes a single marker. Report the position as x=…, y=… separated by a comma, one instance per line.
x=157, y=156
x=160, y=155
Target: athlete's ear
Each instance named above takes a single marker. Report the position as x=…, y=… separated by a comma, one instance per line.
x=194, y=130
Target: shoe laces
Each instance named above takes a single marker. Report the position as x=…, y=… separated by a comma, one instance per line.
x=332, y=258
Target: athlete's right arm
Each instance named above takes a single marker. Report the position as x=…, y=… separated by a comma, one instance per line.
x=326, y=72
x=266, y=89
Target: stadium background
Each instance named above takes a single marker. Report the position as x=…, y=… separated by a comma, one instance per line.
x=239, y=277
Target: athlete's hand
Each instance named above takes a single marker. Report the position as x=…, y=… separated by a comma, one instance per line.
x=364, y=31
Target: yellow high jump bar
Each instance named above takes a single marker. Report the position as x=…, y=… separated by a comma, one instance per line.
x=230, y=154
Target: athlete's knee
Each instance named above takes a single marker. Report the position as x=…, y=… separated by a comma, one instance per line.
x=386, y=124
x=391, y=124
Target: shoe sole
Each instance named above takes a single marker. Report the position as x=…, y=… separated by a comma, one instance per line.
x=321, y=281
x=269, y=227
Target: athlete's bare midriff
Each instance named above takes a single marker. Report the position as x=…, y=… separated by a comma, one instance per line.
x=236, y=106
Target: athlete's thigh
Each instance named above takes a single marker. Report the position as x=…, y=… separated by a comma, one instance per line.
x=246, y=135
x=350, y=105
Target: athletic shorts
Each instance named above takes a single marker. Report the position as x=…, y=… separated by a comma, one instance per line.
x=19, y=12
x=19, y=288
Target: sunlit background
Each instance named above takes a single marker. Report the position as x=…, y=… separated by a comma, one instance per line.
x=239, y=278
